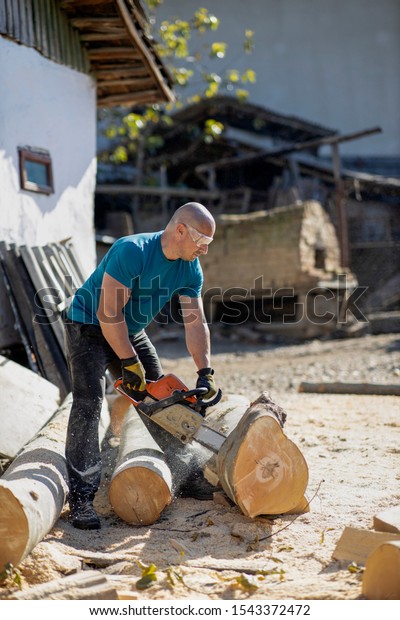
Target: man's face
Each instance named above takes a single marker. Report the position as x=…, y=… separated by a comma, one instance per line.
x=196, y=242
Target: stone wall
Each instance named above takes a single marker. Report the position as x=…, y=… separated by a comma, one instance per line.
x=272, y=249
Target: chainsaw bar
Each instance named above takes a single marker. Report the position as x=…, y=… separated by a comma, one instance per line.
x=178, y=418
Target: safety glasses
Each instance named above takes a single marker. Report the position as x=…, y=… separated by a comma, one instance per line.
x=198, y=237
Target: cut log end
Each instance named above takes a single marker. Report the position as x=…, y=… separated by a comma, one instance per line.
x=139, y=495
x=381, y=579
x=269, y=473
x=14, y=529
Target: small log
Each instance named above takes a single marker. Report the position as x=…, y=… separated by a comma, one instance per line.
x=258, y=467
x=355, y=545
x=140, y=487
x=33, y=489
x=86, y=585
x=388, y=520
x=381, y=578
x=350, y=388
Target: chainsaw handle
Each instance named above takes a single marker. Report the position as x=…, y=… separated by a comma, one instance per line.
x=195, y=392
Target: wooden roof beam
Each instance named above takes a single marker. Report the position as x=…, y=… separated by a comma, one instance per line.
x=118, y=35
x=148, y=59
x=139, y=84
x=95, y=22
x=115, y=72
x=129, y=98
x=112, y=52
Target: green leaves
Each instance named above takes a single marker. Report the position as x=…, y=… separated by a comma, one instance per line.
x=11, y=573
x=148, y=576
x=203, y=21
x=218, y=50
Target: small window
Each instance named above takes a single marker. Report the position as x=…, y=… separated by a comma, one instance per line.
x=35, y=169
x=319, y=258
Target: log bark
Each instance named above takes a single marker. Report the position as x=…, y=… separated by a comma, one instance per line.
x=141, y=484
x=350, y=388
x=34, y=488
x=381, y=578
x=258, y=467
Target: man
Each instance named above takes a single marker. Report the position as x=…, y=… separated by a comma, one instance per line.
x=106, y=324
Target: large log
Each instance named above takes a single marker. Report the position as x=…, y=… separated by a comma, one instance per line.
x=34, y=488
x=381, y=578
x=23, y=412
x=380, y=389
x=258, y=467
x=141, y=484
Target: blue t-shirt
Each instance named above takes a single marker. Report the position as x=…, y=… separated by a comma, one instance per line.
x=138, y=262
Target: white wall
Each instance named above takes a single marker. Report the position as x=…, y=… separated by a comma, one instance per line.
x=333, y=62
x=47, y=105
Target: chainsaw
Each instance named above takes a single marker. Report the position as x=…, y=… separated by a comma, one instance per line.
x=178, y=410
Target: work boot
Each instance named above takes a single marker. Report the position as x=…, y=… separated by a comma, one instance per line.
x=197, y=487
x=83, y=516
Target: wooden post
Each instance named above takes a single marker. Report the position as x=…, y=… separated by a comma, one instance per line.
x=141, y=484
x=33, y=490
x=340, y=207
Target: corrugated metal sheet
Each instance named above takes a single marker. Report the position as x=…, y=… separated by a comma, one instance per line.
x=41, y=24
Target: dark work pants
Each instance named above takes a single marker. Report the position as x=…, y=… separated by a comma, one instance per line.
x=88, y=356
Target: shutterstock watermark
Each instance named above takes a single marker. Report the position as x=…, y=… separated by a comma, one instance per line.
x=337, y=302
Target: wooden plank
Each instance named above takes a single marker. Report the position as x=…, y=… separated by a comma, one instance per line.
x=48, y=356
x=18, y=320
x=70, y=252
x=355, y=545
x=86, y=585
x=132, y=98
x=68, y=267
x=64, y=279
x=113, y=52
x=388, y=520
x=114, y=70
x=138, y=83
x=47, y=308
x=93, y=22
x=21, y=300
x=350, y=388
x=58, y=295
x=118, y=35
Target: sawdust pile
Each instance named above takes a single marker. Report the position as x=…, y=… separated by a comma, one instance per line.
x=209, y=550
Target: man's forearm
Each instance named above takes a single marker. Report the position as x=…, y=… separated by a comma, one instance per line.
x=117, y=336
x=198, y=344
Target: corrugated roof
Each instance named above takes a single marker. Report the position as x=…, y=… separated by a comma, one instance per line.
x=122, y=54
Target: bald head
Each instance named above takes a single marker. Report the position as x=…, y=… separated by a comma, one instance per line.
x=196, y=215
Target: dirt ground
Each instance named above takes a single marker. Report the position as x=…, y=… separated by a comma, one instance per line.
x=205, y=550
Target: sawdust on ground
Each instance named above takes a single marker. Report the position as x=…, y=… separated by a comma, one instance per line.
x=205, y=550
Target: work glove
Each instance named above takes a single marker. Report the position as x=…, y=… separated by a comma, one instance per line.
x=133, y=376
x=206, y=379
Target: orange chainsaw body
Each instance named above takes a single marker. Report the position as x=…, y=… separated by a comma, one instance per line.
x=162, y=388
